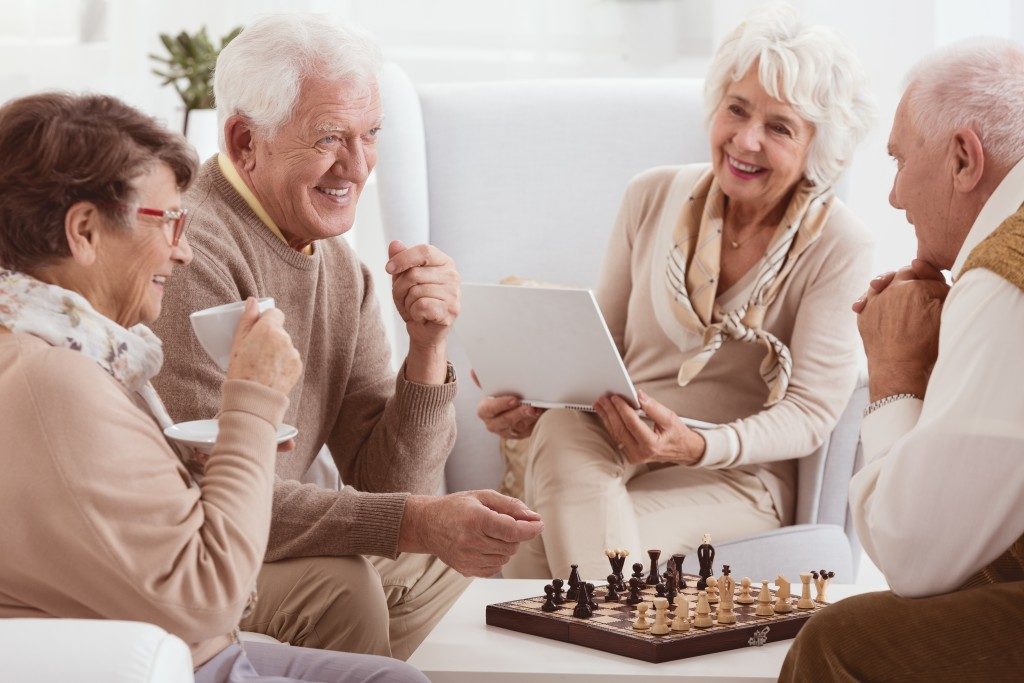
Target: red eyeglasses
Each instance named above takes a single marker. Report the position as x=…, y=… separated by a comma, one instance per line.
x=174, y=219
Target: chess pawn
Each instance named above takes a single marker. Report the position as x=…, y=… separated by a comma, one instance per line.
x=702, y=615
x=660, y=627
x=745, y=598
x=641, y=623
x=712, y=583
x=764, y=601
x=782, y=604
x=610, y=595
x=589, y=588
x=634, y=591
x=805, y=601
x=549, y=604
x=559, y=597
x=638, y=571
x=682, y=620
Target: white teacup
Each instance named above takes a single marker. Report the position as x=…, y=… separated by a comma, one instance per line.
x=215, y=328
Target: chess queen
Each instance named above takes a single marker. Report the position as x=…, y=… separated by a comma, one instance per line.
x=726, y=288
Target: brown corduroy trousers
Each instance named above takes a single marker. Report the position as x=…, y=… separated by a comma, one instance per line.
x=974, y=634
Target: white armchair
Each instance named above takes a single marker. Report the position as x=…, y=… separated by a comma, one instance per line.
x=91, y=651
x=525, y=178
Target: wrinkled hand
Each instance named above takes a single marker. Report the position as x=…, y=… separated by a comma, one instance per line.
x=900, y=330
x=506, y=416
x=917, y=270
x=262, y=351
x=668, y=441
x=425, y=289
x=473, y=532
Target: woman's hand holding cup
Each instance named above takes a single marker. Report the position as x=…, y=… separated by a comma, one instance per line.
x=262, y=351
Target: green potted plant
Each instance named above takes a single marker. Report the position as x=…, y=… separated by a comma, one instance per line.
x=188, y=66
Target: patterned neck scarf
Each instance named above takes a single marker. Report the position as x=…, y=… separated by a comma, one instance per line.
x=64, y=318
x=693, y=268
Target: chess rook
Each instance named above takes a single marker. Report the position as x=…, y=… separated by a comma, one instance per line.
x=653, y=578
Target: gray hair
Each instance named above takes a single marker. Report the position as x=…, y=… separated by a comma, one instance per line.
x=809, y=67
x=259, y=73
x=976, y=83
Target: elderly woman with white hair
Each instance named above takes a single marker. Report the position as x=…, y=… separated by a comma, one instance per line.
x=726, y=287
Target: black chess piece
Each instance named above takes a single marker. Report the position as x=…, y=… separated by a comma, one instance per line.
x=582, y=609
x=638, y=571
x=677, y=560
x=559, y=596
x=574, y=582
x=617, y=566
x=706, y=559
x=610, y=594
x=589, y=588
x=549, y=604
x=634, y=597
x=653, y=578
x=660, y=590
x=671, y=584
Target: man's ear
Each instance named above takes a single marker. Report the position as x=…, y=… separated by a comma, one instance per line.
x=238, y=137
x=968, y=160
x=83, y=228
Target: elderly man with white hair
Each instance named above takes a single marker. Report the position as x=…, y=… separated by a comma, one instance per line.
x=299, y=110
x=724, y=287
x=938, y=503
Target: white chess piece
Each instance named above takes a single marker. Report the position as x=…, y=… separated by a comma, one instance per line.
x=641, y=623
x=682, y=619
x=745, y=598
x=660, y=627
x=725, y=614
x=782, y=604
x=712, y=583
x=702, y=615
x=805, y=601
x=764, y=601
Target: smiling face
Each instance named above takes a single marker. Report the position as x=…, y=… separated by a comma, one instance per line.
x=923, y=189
x=132, y=265
x=309, y=174
x=759, y=145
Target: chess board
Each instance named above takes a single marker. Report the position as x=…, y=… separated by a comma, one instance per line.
x=611, y=627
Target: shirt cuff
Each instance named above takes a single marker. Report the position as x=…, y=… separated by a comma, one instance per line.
x=885, y=426
x=721, y=447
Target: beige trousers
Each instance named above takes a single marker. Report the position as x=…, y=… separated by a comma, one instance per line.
x=354, y=604
x=591, y=498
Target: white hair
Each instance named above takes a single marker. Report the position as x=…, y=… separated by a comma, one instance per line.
x=259, y=73
x=809, y=67
x=976, y=83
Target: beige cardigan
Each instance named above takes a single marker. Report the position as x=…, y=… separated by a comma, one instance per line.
x=811, y=315
x=100, y=518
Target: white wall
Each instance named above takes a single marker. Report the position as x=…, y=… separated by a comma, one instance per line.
x=101, y=45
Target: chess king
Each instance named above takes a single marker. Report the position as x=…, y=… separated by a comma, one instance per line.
x=937, y=502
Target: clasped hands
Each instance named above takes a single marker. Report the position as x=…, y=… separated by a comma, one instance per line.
x=898, y=318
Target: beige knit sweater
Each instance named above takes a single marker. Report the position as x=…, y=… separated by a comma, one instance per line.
x=389, y=437
x=811, y=315
x=101, y=519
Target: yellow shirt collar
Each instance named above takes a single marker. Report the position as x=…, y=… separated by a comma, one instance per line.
x=232, y=176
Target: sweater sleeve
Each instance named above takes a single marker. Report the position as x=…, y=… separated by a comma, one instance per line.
x=136, y=540
x=827, y=356
x=391, y=438
x=615, y=283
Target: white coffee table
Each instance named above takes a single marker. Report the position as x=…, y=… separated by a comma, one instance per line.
x=464, y=649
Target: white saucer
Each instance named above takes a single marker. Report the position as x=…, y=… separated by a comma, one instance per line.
x=203, y=433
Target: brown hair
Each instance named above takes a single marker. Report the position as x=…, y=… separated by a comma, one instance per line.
x=58, y=149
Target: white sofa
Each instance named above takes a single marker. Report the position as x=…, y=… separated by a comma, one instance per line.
x=91, y=651
x=525, y=178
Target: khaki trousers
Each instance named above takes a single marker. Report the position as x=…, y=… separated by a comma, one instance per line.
x=970, y=635
x=591, y=498
x=354, y=604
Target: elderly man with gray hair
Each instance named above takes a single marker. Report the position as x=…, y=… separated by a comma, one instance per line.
x=937, y=505
x=299, y=111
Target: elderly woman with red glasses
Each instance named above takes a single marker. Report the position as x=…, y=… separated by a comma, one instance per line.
x=103, y=517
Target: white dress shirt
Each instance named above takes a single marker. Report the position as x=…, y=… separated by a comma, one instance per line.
x=939, y=496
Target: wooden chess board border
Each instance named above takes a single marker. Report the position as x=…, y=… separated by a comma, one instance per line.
x=524, y=615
